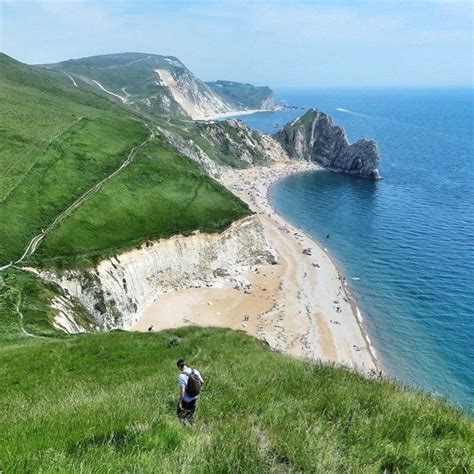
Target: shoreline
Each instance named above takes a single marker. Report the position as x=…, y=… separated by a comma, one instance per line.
x=234, y=114
x=347, y=292
x=302, y=167
x=299, y=306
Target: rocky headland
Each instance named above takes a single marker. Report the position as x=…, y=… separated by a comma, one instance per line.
x=314, y=137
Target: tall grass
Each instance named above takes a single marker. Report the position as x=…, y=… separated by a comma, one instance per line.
x=106, y=403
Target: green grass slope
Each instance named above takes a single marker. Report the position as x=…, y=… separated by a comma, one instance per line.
x=25, y=308
x=162, y=194
x=105, y=403
x=132, y=77
x=59, y=142
x=116, y=71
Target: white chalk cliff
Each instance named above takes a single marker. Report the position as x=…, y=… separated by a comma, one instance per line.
x=118, y=290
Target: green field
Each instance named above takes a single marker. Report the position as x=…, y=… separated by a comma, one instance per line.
x=59, y=142
x=105, y=403
x=162, y=194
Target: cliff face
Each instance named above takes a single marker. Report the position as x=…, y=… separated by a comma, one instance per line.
x=119, y=289
x=314, y=137
x=246, y=146
x=227, y=142
x=160, y=86
x=190, y=149
x=193, y=95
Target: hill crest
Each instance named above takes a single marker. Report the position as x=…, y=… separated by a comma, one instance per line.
x=162, y=86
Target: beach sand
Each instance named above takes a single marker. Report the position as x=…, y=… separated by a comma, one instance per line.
x=234, y=114
x=299, y=306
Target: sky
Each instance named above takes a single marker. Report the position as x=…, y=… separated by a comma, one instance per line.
x=272, y=42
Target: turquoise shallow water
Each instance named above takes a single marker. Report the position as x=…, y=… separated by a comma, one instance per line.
x=406, y=243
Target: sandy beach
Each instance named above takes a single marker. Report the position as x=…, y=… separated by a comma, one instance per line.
x=299, y=306
x=231, y=114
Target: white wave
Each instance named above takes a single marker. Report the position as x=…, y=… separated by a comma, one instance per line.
x=347, y=111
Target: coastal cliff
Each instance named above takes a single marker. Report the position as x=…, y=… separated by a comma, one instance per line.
x=117, y=291
x=161, y=86
x=314, y=137
x=223, y=143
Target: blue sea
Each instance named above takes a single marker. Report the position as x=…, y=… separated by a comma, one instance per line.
x=405, y=243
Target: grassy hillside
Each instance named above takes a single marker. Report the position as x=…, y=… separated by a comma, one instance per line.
x=59, y=142
x=242, y=96
x=105, y=403
x=25, y=308
x=130, y=76
x=162, y=194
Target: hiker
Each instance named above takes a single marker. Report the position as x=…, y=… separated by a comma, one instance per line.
x=189, y=382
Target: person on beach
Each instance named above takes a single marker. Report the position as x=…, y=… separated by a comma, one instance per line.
x=189, y=383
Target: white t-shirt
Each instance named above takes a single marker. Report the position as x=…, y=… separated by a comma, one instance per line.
x=183, y=381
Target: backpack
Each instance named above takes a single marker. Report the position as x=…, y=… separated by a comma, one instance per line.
x=193, y=387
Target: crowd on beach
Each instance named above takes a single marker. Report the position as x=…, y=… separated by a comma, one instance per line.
x=254, y=187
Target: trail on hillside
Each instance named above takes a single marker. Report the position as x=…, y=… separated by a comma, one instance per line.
x=20, y=315
x=123, y=99
x=123, y=65
x=36, y=240
x=72, y=79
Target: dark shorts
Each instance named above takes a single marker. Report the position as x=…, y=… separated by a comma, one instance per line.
x=187, y=412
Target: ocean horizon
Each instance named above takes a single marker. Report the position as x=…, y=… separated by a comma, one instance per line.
x=405, y=243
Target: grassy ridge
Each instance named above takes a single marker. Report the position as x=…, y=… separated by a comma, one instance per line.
x=161, y=194
x=105, y=403
x=116, y=71
x=129, y=75
x=61, y=141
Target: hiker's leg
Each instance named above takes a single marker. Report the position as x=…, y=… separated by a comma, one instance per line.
x=181, y=412
x=189, y=410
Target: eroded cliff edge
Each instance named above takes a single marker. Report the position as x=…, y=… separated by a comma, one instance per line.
x=118, y=290
x=314, y=137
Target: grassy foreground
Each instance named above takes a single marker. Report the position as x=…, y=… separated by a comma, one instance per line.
x=105, y=403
